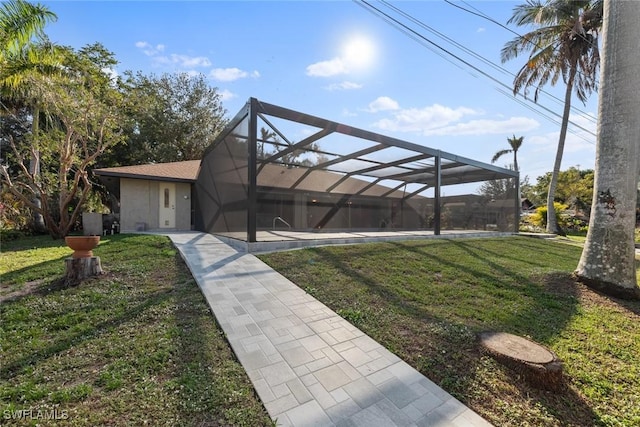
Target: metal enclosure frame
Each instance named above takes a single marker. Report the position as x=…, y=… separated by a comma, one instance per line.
x=424, y=167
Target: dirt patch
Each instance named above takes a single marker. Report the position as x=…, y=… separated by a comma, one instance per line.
x=43, y=287
x=563, y=285
x=26, y=289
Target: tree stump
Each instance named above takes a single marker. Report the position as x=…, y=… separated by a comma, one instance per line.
x=537, y=364
x=78, y=269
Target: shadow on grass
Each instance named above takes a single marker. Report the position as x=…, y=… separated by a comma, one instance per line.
x=440, y=342
x=22, y=282
x=26, y=243
x=47, y=271
x=213, y=387
x=143, y=303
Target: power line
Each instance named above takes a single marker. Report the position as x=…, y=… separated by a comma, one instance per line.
x=474, y=54
x=447, y=55
x=483, y=15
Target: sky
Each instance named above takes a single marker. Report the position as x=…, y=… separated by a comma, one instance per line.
x=339, y=61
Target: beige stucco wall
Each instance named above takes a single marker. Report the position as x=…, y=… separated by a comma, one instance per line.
x=183, y=206
x=139, y=203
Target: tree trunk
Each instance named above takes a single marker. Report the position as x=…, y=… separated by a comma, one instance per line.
x=38, y=224
x=608, y=257
x=552, y=224
x=534, y=362
x=79, y=269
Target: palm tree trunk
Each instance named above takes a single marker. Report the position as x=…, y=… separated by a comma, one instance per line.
x=552, y=224
x=608, y=258
x=34, y=169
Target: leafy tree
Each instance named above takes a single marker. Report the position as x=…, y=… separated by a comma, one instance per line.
x=497, y=189
x=563, y=44
x=307, y=156
x=515, y=144
x=20, y=58
x=575, y=189
x=608, y=259
x=173, y=117
x=82, y=111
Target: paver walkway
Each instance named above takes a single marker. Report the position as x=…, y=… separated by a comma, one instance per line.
x=309, y=366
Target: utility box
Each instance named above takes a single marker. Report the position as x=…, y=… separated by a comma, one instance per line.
x=92, y=224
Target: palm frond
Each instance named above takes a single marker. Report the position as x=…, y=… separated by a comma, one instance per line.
x=500, y=154
x=515, y=143
x=526, y=14
x=20, y=21
x=565, y=44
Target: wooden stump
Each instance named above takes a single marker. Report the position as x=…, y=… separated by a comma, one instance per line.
x=537, y=364
x=78, y=269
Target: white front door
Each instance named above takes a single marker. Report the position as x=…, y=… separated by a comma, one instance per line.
x=167, y=213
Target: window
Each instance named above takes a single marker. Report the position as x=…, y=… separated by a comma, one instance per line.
x=166, y=198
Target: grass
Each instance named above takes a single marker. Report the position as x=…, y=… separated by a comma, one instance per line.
x=136, y=346
x=427, y=300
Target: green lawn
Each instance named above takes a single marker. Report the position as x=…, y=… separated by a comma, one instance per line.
x=427, y=300
x=136, y=346
x=140, y=346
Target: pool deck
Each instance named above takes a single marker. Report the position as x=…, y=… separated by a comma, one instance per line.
x=278, y=240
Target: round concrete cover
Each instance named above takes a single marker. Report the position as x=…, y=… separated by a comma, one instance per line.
x=516, y=347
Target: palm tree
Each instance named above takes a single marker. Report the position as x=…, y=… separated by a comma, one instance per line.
x=564, y=45
x=265, y=135
x=20, y=61
x=20, y=22
x=608, y=258
x=515, y=144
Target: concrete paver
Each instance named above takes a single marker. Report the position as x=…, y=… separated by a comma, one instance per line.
x=309, y=366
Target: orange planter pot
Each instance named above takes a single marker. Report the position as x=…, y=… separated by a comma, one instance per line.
x=82, y=245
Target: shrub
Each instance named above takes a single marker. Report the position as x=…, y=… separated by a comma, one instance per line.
x=539, y=218
x=13, y=214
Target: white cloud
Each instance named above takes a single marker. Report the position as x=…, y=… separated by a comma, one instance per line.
x=226, y=95
x=181, y=61
x=190, y=61
x=481, y=30
x=344, y=86
x=441, y=120
x=347, y=113
x=487, y=127
x=148, y=49
x=383, y=103
x=579, y=150
x=231, y=74
x=577, y=139
x=332, y=67
x=358, y=53
x=423, y=120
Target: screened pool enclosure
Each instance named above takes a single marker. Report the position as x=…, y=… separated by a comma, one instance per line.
x=278, y=170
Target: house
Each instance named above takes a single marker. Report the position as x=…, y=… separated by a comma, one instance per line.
x=334, y=178
x=152, y=196
x=159, y=196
